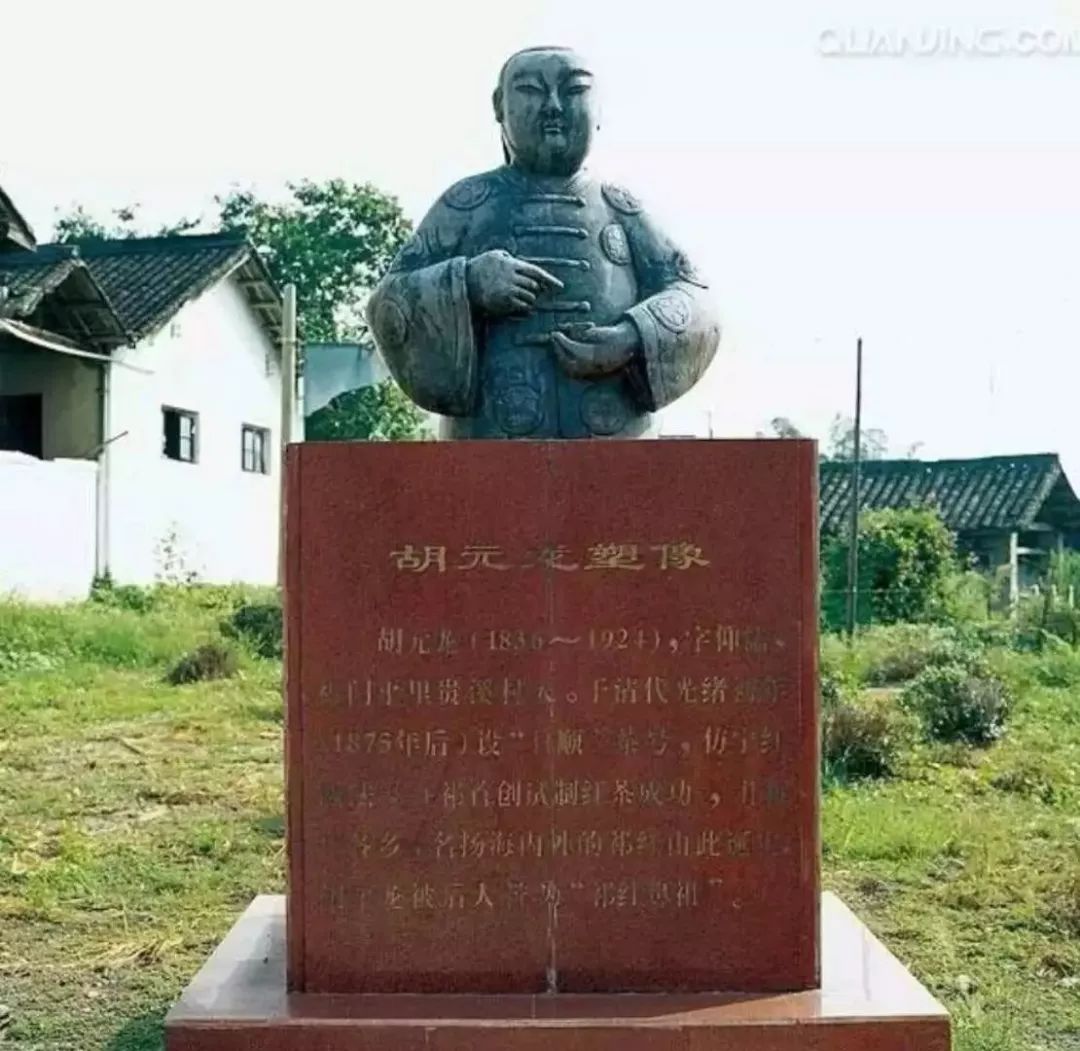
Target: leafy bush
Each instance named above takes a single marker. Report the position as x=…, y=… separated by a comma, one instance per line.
x=833, y=690
x=890, y=655
x=968, y=596
x=90, y=631
x=1057, y=665
x=122, y=596
x=1063, y=623
x=377, y=413
x=958, y=702
x=906, y=561
x=1043, y=619
x=899, y=652
x=211, y=660
x=863, y=738
x=259, y=626
x=15, y=660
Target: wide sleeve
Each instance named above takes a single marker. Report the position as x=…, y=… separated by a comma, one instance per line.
x=421, y=319
x=676, y=317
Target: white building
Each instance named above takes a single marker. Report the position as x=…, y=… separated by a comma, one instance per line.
x=140, y=394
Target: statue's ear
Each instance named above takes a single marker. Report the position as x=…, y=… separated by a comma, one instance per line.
x=496, y=102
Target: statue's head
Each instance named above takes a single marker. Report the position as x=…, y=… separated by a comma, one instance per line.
x=546, y=106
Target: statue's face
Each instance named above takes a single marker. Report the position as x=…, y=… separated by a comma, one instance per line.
x=547, y=110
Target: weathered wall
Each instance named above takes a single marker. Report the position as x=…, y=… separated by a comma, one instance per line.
x=69, y=387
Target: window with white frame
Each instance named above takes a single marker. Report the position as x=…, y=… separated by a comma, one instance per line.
x=255, y=449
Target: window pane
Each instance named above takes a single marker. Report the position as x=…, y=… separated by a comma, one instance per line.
x=179, y=434
x=255, y=449
x=171, y=421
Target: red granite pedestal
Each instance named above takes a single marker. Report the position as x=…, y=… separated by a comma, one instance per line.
x=552, y=763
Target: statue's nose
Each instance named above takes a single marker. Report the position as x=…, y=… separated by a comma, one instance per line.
x=552, y=103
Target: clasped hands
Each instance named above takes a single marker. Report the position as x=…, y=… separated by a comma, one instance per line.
x=501, y=285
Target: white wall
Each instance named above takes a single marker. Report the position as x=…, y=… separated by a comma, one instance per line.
x=46, y=527
x=213, y=359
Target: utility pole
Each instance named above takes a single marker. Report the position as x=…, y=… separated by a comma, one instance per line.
x=288, y=364
x=288, y=406
x=853, y=538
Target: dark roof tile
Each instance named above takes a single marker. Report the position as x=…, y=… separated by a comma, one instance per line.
x=148, y=279
x=14, y=229
x=996, y=492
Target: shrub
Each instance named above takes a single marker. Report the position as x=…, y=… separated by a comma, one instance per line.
x=91, y=631
x=906, y=561
x=889, y=655
x=212, y=660
x=122, y=596
x=1044, y=618
x=1063, y=623
x=1058, y=666
x=833, y=690
x=257, y=625
x=898, y=653
x=958, y=702
x=968, y=597
x=862, y=738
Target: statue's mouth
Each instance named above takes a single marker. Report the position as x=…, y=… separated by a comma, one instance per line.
x=553, y=127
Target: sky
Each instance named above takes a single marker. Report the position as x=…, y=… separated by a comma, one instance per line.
x=920, y=189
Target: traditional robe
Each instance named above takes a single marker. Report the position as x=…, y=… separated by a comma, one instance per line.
x=499, y=377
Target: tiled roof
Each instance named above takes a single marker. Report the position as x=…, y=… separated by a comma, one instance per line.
x=61, y=294
x=29, y=276
x=995, y=492
x=148, y=279
x=13, y=227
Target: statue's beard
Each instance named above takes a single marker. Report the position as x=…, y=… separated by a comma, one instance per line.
x=548, y=156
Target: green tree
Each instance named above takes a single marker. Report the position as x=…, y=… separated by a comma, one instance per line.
x=907, y=564
x=333, y=240
x=380, y=413
x=79, y=226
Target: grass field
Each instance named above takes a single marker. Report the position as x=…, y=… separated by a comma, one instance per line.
x=137, y=819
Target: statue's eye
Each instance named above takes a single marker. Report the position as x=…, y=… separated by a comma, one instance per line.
x=530, y=89
x=577, y=89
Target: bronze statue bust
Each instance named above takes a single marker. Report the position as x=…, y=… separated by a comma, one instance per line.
x=534, y=301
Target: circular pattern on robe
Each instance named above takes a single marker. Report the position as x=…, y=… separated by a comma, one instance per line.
x=411, y=255
x=614, y=244
x=468, y=194
x=620, y=198
x=517, y=409
x=391, y=324
x=603, y=411
x=672, y=310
